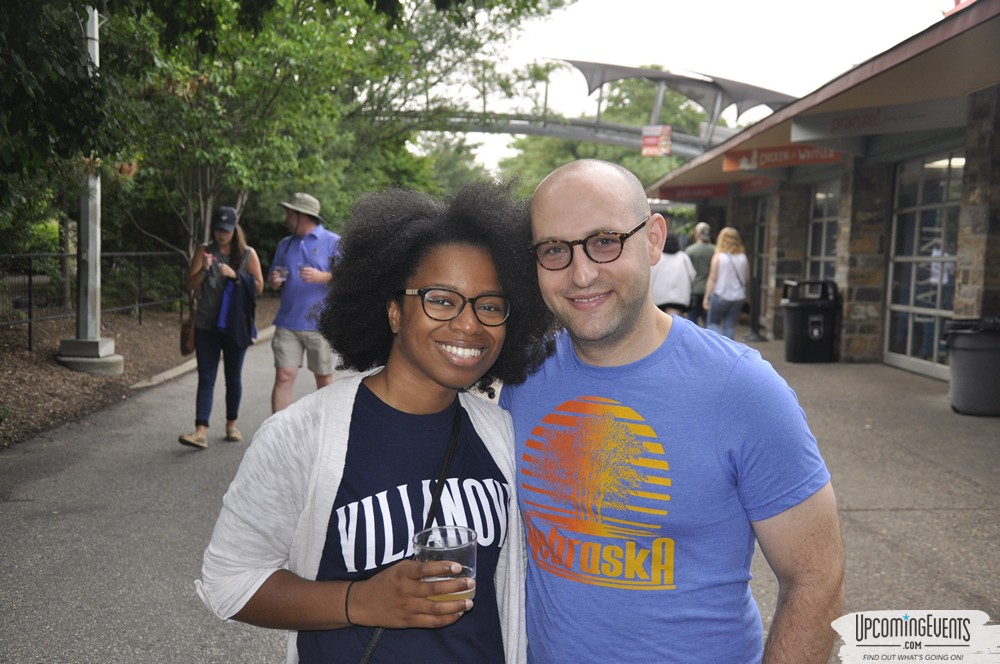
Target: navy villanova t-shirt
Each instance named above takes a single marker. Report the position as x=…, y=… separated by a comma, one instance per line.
x=393, y=460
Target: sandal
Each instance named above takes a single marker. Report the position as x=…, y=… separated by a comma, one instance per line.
x=193, y=440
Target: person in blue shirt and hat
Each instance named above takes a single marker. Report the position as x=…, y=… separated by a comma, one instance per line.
x=301, y=271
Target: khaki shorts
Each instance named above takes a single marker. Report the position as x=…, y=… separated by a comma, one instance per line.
x=289, y=345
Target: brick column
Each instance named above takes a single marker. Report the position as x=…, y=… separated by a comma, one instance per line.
x=864, y=225
x=788, y=231
x=977, y=274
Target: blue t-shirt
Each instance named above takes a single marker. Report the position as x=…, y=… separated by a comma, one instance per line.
x=638, y=485
x=393, y=460
x=300, y=300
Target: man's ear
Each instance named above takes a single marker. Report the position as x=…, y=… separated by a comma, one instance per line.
x=657, y=226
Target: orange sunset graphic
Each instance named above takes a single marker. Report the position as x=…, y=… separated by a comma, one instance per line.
x=596, y=484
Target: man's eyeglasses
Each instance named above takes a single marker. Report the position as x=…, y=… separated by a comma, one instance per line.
x=443, y=304
x=601, y=247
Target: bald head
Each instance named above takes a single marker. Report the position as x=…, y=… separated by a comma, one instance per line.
x=611, y=181
x=703, y=232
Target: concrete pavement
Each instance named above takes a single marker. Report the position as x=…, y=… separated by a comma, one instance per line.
x=103, y=521
x=102, y=527
x=916, y=486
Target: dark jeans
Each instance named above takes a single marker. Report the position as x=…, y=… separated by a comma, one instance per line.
x=207, y=346
x=696, y=313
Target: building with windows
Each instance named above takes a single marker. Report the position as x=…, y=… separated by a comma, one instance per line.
x=885, y=181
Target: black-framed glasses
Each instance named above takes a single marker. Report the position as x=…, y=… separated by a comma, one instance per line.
x=601, y=247
x=444, y=304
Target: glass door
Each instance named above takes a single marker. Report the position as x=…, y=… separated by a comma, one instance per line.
x=922, y=267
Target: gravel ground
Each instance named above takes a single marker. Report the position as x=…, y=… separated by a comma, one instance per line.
x=37, y=393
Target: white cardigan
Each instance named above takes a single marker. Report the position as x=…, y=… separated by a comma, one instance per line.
x=276, y=512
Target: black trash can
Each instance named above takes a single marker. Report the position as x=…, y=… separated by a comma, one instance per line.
x=812, y=315
x=974, y=358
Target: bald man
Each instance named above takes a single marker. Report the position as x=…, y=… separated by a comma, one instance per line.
x=652, y=454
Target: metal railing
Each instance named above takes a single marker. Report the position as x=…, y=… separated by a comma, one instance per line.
x=43, y=286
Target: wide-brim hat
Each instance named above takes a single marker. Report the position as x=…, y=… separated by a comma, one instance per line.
x=224, y=218
x=303, y=203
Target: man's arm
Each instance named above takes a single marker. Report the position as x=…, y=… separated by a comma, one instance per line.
x=805, y=549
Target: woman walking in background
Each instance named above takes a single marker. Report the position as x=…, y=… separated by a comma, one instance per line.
x=227, y=259
x=726, y=290
x=670, y=279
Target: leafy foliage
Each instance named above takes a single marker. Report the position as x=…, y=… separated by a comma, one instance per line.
x=203, y=102
x=454, y=161
x=45, y=70
x=44, y=73
x=322, y=97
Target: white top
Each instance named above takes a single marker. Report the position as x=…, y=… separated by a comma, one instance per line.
x=730, y=281
x=670, y=279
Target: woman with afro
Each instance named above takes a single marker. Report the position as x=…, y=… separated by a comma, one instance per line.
x=429, y=300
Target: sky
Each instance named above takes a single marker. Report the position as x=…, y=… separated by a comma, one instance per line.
x=791, y=46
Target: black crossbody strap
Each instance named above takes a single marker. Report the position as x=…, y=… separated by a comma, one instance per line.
x=449, y=454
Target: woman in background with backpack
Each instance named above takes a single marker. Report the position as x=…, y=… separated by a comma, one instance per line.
x=227, y=258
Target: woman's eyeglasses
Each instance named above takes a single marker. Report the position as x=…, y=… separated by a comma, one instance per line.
x=443, y=304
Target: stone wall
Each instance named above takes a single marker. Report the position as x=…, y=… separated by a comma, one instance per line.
x=864, y=224
x=977, y=274
x=864, y=235
x=789, y=237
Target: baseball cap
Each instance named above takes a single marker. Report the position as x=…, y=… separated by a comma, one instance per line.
x=224, y=217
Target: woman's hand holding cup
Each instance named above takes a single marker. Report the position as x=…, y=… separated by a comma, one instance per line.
x=399, y=596
x=455, y=544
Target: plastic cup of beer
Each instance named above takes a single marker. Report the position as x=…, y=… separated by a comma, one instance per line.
x=455, y=544
x=281, y=273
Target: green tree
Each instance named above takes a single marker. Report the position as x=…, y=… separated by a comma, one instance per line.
x=453, y=159
x=322, y=97
x=234, y=100
x=217, y=126
x=44, y=72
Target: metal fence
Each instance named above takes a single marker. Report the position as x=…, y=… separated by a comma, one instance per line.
x=41, y=287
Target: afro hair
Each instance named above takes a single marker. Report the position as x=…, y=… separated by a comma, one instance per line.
x=383, y=244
